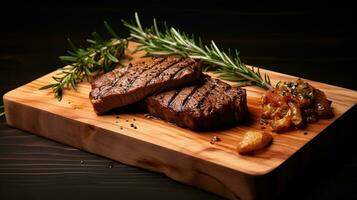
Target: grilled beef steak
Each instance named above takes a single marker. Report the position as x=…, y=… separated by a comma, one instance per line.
x=124, y=86
x=208, y=105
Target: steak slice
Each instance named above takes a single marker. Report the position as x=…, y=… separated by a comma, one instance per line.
x=208, y=105
x=124, y=86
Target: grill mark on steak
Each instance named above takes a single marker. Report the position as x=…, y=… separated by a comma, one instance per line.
x=99, y=81
x=216, y=98
x=110, y=78
x=164, y=72
x=139, y=68
x=135, y=69
x=188, y=97
x=205, y=96
x=142, y=79
x=116, y=79
x=114, y=90
x=211, y=104
x=163, y=99
x=189, y=69
x=172, y=70
x=169, y=103
x=142, y=75
x=176, y=103
x=167, y=98
x=102, y=84
x=198, y=95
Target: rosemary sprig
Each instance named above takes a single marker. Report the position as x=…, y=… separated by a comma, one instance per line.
x=100, y=55
x=174, y=42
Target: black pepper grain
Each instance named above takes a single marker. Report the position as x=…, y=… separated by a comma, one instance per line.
x=215, y=139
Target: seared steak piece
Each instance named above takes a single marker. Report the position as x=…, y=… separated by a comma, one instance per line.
x=124, y=86
x=208, y=105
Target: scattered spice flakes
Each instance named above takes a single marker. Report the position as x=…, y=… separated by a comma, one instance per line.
x=133, y=125
x=215, y=139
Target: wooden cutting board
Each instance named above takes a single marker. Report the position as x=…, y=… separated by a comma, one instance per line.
x=181, y=154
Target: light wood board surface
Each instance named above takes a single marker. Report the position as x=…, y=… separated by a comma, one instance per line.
x=181, y=154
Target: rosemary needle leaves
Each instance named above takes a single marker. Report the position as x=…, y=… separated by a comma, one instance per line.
x=173, y=42
x=100, y=56
x=104, y=55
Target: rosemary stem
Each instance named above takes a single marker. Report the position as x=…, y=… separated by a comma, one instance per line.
x=99, y=56
x=173, y=42
x=104, y=55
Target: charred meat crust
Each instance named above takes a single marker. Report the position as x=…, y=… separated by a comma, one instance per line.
x=133, y=83
x=208, y=105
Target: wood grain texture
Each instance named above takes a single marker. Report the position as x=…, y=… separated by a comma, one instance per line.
x=181, y=154
x=32, y=167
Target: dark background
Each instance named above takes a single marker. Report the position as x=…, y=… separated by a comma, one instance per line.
x=311, y=40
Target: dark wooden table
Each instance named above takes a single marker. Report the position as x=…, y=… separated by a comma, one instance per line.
x=312, y=41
